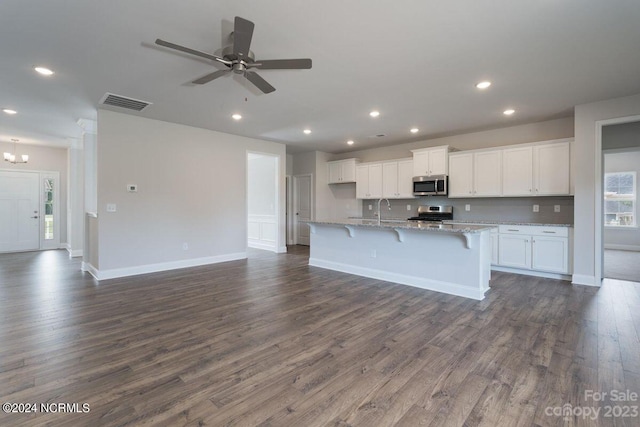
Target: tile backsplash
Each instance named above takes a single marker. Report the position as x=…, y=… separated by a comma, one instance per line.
x=519, y=209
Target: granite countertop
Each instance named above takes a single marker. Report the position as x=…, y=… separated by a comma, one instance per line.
x=535, y=224
x=406, y=225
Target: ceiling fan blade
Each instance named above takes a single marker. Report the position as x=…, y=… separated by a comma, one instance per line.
x=242, y=34
x=283, y=64
x=191, y=51
x=259, y=82
x=211, y=76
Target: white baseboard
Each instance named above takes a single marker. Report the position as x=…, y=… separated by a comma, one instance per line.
x=282, y=250
x=532, y=272
x=165, y=266
x=74, y=253
x=633, y=248
x=583, y=279
x=418, y=282
x=258, y=244
x=90, y=269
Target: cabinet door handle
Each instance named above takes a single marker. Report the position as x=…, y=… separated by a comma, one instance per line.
x=510, y=229
x=549, y=232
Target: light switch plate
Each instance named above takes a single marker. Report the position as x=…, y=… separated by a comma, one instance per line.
x=111, y=207
x=370, y=207
x=536, y=208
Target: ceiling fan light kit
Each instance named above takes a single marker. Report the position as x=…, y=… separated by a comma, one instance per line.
x=239, y=59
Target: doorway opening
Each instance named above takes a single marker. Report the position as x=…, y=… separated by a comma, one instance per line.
x=302, y=207
x=620, y=214
x=263, y=213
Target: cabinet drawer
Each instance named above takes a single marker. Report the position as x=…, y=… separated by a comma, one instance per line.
x=535, y=230
x=551, y=231
x=516, y=229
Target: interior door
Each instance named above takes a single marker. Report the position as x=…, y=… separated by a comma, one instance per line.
x=302, y=196
x=19, y=211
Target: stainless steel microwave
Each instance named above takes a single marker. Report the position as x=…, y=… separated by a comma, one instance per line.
x=434, y=185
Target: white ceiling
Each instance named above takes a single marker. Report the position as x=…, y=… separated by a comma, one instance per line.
x=417, y=61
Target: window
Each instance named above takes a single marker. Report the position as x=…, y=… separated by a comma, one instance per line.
x=620, y=199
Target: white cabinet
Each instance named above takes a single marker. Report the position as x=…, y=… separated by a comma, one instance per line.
x=536, y=248
x=342, y=171
x=517, y=171
x=430, y=161
x=538, y=170
x=514, y=251
x=550, y=254
x=551, y=169
x=369, y=181
x=461, y=175
x=475, y=174
x=397, y=179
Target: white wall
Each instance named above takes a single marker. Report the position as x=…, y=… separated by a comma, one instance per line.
x=626, y=161
x=43, y=159
x=586, y=254
x=192, y=187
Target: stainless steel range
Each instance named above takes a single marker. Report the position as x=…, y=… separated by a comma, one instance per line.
x=433, y=214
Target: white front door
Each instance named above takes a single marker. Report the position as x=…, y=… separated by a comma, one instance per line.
x=19, y=211
x=302, y=196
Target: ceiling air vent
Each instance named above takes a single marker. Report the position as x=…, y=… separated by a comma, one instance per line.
x=124, y=102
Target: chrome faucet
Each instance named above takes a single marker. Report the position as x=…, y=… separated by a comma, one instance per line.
x=379, y=211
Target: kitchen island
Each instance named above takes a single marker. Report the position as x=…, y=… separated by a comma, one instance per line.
x=450, y=258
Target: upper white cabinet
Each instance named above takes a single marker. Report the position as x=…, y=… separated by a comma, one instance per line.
x=431, y=161
x=551, y=169
x=397, y=179
x=369, y=181
x=517, y=171
x=475, y=174
x=538, y=170
x=342, y=171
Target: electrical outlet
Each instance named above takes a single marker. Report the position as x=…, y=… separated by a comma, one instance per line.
x=556, y=208
x=408, y=207
x=467, y=207
x=185, y=246
x=536, y=208
x=111, y=207
x=370, y=207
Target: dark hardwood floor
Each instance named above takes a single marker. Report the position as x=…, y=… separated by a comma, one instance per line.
x=270, y=341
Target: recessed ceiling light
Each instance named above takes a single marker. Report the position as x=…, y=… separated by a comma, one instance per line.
x=350, y=142
x=236, y=116
x=374, y=113
x=483, y=85
x=44, y=71
x=414, y=130
x=9, y=111
x=307, y=131
x=508, y=112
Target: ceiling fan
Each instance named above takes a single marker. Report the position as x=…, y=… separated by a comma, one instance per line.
x=239, y=59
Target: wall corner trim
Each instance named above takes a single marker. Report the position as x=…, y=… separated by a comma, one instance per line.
x=582, y=279
x=165, y=266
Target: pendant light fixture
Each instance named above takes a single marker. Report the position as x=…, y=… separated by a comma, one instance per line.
x=12, y=157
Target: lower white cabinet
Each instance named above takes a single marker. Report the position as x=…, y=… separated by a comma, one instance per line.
x=535, y=248
x=514, y=251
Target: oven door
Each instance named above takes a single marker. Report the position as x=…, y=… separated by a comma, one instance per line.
x=430, y=185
